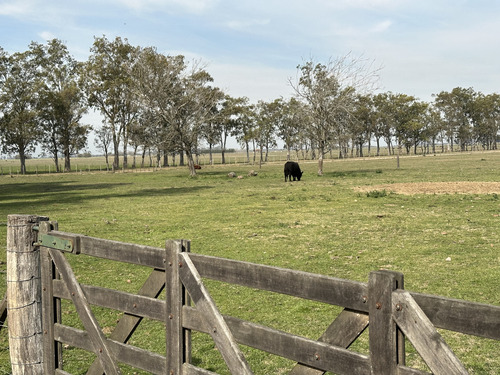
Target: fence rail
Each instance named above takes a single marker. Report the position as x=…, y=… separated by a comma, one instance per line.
x=393, y=314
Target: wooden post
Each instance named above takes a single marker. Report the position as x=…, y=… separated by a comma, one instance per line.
x=178, y=339
x=51, y=307
x=386, y=342
x=24, y=295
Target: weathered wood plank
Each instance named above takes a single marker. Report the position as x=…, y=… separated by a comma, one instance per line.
x=471, y=318
x=188, y=369
x=99, y=341
x=48, y=313
x=51, y=307
x=143, y=307
x=385, y=349
x=120, y=251
x=219, y=330
x=24, y=295
x=299, y=349
x=306, y=285
x=403, y=370
x=424, y=336
x=344, y=330
x=130, y=355
x=175, y=335
x=132, y=304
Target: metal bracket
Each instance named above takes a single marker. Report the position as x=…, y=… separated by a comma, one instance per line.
x=59, y=242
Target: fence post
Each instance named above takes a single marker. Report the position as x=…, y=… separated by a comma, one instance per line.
x=178, y=339
x=24, y=295
x=386, y=341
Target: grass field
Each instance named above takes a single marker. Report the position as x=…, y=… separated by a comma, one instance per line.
x=346, y=223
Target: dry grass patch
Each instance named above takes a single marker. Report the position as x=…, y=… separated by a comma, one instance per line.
x=458, y=187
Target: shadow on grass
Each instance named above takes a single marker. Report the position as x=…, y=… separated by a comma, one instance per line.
x=20, y=196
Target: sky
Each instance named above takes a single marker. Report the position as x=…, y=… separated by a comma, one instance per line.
x=252, y=48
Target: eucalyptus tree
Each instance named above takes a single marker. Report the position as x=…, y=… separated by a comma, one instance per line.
x=158, y=85
x=362, y=127
x=268, y=114
x=194, y=109
x=245, y=128
x=108, y=84
x=19, y=120
x=384, y=122
x=103, y=141
x=230, y=119
x=456, y=108
x=288, y=125
x=62, y=102
x=433, y=130
x=180, y=99
x=329, y=91
x=486, y=120
x=408, y=113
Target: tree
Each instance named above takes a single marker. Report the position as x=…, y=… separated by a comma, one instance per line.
x=363, y=125
x=231, y=117
x=108, y=83
x=61, y=104
x=268, y=115
x=384, y=121
x=103, y=141
x=289, y=125
x=245, y=126
x=485, y=117
x=329, y=91
x=193, y=109
x=456, y=109
x=19, y=125
x=180, y=101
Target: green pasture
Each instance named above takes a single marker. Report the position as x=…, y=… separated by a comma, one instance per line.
x=446, y=244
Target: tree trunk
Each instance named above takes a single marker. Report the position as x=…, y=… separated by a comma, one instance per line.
x=248, y=152
x=321, y=152
x=67, y=160
x=192, y=171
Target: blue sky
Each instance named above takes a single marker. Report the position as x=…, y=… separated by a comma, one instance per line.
x=251, y=48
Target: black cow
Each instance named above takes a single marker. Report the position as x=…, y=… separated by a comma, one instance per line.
x=292, y=169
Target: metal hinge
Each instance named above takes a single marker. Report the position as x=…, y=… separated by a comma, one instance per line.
x=60, y=242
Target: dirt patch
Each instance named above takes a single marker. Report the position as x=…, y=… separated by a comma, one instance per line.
x=459, y=187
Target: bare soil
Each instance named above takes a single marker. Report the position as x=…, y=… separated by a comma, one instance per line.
x=458, y=187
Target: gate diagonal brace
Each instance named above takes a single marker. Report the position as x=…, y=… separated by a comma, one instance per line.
x=423, y=335
x=220, y=332
x=99, y=341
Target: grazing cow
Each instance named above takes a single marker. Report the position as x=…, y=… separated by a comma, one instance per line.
x=197, y=166
x=292, y=169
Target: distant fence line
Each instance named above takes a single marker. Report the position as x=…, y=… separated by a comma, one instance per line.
x=96, y=163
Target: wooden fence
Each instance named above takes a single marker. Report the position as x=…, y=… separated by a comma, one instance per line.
x=39, y=276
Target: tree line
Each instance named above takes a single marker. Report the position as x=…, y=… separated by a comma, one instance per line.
x=152, y=103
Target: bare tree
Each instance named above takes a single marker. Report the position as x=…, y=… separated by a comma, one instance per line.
x=329, y=92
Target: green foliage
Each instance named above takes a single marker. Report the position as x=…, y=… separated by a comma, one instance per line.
x=320, y=224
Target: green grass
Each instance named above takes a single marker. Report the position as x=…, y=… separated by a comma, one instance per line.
x=320, y=224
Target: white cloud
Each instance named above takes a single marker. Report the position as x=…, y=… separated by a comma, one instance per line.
x=15, y=8
x=381, y=26
x=47, y=35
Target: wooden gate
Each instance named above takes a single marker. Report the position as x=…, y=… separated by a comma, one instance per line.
x=393, y=314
